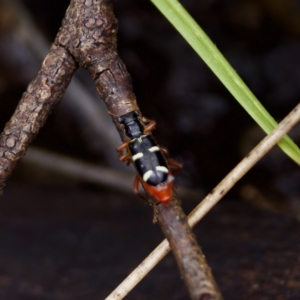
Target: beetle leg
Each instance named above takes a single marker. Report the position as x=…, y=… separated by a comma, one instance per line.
x=177, y=167
x=136, y=184
x=164, y=151
x=146, y=120
x=122, y=147
x=149, y=127
x=124, y=156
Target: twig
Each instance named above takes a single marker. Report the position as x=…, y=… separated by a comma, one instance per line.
x=118, y=180
x=74, y=168
x=209, y=201
x=244, y=166
x=33, y=109
x=77, y=99
x=189, y=257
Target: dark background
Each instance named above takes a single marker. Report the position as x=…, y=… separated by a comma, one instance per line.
x=68, y=239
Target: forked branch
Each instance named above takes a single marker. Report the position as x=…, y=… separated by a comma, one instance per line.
x=87, y=39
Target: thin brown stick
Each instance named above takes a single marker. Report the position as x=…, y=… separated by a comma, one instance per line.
x=117, y=180
x=80, y=170
x=33, y=109
x=208, y=202
x=244, y=166
x=190, y=259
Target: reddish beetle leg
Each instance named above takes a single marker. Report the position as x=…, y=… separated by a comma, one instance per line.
x=124, y=156
x=155, y=172
x=176, y=167
x=136, y=184
x=149, y=127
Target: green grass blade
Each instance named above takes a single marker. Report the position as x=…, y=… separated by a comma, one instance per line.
x=200, y=42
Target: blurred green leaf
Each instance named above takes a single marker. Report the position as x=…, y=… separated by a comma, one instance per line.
x=201, y=43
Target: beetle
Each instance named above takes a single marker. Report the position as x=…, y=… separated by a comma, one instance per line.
x=148, y=158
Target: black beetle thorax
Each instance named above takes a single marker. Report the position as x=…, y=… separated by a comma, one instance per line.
x=132, y=125
x=146, y=155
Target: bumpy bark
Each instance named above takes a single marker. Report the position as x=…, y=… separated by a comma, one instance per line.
x=190, y=259
x=89, y=32
x=33, y=109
